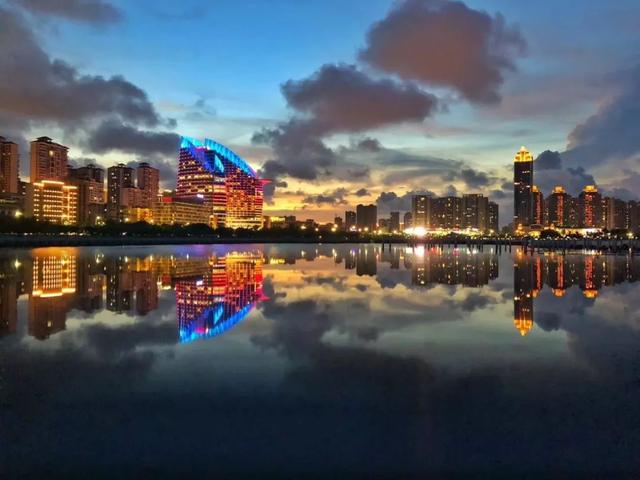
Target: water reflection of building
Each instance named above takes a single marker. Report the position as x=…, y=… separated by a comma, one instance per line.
x=53, y=288
x=211, y=303
x=589, y=273
x=9, y=292
x=453, y=267
x=524, y=276
x=131, y=282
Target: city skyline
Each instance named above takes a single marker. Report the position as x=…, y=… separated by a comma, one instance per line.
x=292, y=121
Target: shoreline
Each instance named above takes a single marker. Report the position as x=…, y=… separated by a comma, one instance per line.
x=35, y=241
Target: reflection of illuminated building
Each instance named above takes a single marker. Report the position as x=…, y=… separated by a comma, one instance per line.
x=366, y=262
x=523, y=283
x=8, y=297
x=53, y=289
x=131, y=282
x=453, y=267
x=210, y=304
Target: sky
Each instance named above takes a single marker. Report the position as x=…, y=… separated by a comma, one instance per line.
x=336, y=102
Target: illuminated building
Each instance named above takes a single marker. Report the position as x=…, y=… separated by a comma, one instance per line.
x=421, y=211
x=9, y=167
x=366, y=217
x=538, y=206
x=474, y=211
x=615, y=213
x=350, y=220
x=590, y=208
x=128, y=201
x=493, y=221
x=557, y=207
x=91, y=199
x=52, y=201
x=170, y=210
x=214, y=302
x=231, y=190
x=120, y=191
x=149, y=185
x=447, y=212
x=53, y=288
x=522, y=187
x=48, y=160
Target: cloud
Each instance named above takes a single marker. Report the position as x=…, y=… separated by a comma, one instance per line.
x=362, y=192
x=335, y=197
x=471, y=177
x=611, y=134
x=548, y=160
x=338, y=98
x=115, y=136
x=35, y=88
x=341, y=98
x=89, y=11
x=447, y=44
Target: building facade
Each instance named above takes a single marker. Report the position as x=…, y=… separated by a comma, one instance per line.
x=9, y=167
x=48, y=160
x=91, y=194
x=231, y=190
x=421, y=211
x=170, y=210
x=53, y=201
x=522, y=189
x=367, y=217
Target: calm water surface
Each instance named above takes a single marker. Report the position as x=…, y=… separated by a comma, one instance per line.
x=314, y=361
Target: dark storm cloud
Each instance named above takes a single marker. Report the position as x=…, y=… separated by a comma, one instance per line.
x=471, y=177
x=369, y=145
x=611, y=134
x=362, y=192
x=90, y=11
x=341, y=98
x=572, y=179
x=112, y=135
x=445, y=43
x=548, y=160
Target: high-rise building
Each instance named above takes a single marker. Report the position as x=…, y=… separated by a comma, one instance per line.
x=350, y=220
x=446, y=213
x=149, y=185
x=230, y=188
x=633, y=216
x=121, y=192
x=615, y=213
x=522, y=186
x=493, y=222
x=407, y=220
x=557, y=208
x=474, y=213
x=48, y=160
x=421, y=211
x=9, y=167
x=337, y=222
x=538, y=206
x=394, y=222
x=590, y=208
x=367, y=217
x=52, y=201
x=91, y=196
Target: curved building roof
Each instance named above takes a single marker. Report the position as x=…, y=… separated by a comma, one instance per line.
x=198, y=148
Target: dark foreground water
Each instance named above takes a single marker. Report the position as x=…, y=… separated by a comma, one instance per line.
x=318, y=361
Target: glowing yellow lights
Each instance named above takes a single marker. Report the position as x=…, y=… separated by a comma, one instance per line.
x=590, y=189
x=523, y=156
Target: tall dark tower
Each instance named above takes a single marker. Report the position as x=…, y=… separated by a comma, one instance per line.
x=522, y=183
